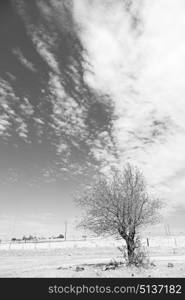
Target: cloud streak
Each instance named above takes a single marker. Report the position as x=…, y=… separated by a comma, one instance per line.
x=137, y=53
x=56, y=115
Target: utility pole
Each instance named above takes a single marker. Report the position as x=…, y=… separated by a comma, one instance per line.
x=167, y=229
x=65, y=235
x=169, y=232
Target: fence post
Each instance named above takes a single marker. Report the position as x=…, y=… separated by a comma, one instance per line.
x=147, y=241
x=10, y=245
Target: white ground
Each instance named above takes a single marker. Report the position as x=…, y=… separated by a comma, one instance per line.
x=60, y=259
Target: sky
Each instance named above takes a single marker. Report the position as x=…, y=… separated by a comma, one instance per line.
x=85, y=86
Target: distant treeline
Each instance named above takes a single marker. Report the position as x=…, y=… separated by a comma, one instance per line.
x=33, y=238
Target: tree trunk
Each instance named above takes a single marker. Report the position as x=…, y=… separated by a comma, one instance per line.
x=130, y=242
x=130, y=249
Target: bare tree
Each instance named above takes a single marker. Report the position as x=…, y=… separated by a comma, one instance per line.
x=119, y=206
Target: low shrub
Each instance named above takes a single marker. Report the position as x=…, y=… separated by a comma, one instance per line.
x=140, y=256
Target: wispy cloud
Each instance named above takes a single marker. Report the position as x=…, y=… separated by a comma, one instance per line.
x=129, y=70
x=13, y=122
x=142, y=68
x=78, y=130
x=24, y=61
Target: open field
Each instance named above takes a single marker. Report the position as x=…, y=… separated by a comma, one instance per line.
x=89, y=259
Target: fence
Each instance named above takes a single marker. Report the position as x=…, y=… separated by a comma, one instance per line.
x=149, y=242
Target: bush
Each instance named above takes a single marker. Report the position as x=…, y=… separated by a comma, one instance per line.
x=140, y=256
x=123, y=250
x=114, y=263
x=60, y=236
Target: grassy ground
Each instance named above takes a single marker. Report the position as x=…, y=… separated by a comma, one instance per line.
x=88, y=262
